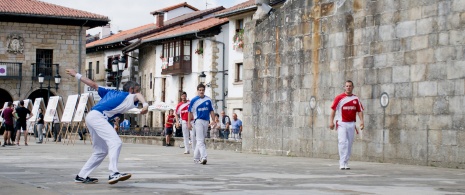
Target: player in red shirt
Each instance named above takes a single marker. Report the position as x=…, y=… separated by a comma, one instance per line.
x=181, y=114
x=344, y=109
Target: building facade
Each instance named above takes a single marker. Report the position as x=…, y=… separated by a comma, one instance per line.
x=47, y=42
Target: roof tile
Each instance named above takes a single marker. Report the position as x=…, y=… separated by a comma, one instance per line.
x=39, y=8
x=167, y=9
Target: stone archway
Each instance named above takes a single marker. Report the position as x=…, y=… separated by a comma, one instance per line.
x=4, y=97
x=40, y=93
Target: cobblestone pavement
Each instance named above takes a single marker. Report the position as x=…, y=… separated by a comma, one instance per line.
x=50, y=169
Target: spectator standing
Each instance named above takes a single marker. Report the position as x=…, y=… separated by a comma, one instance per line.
x=181, y=120
x=40, y=126
x=225, y=122
x=344, y=110
x=200, y=111
x=56, y=129
x=236, y=126
x=21, y=125
x=116, y=124
x=125, y=125
x=215, y=128
x=7, y=116
x=169, y=126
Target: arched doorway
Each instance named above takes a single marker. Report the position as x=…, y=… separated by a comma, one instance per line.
x=4, y=97
x=40, y=93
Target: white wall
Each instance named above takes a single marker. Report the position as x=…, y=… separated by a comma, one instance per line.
x=177, y=12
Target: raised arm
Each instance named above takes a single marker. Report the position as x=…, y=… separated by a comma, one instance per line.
x=85, y=80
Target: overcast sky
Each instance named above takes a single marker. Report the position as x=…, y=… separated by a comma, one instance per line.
x=127, y=14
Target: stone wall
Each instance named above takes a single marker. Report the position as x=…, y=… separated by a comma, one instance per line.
x=412, y=50
x=64, y=40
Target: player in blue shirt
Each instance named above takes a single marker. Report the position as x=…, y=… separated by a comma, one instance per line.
x=105, y=139
x=200, y=111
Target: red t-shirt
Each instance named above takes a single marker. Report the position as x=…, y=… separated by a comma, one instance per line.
x=8, y=116
x=170, y=120
x=346, y=107
x=182, y=109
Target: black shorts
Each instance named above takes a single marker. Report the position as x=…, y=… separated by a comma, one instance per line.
x=9, y=127
x=20, y=125
x=168, y=130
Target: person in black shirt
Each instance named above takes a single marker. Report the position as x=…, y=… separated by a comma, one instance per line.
x=40, y=126
x=22, y=113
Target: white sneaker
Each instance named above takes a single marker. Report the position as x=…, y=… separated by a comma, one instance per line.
x=346, y=166
x=112, y=179
x=186, y=152
x=342, y=168
x=196, y=161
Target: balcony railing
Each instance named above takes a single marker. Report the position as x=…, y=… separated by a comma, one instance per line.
x=180, y=66
x=11, y=70
x=46, y=69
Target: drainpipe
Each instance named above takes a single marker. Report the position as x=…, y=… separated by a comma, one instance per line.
x=223, y=71
x=80, y=55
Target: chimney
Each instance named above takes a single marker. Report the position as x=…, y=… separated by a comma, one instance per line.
x=106, y=31
x=159, y=19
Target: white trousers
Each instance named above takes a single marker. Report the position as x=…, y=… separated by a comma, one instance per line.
x=198, y=139
x=185, y=135
x=105, y=141
x=345, y=137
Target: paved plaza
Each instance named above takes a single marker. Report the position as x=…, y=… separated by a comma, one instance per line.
x=50, y=168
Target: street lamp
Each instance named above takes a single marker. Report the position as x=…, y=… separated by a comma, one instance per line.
x=202, y=77
x=117, y=67
x=57, y=82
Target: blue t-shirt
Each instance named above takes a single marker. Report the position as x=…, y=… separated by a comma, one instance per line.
x=201, y=107
x=110, y=100
x=236, y=124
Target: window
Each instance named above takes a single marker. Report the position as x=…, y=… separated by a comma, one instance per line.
x=177, y=51
x=89, y=71
x=97, y=68
x=238, y=72
x=44, y=61
x=151, y=80
x=239, y=24
x=200, y=46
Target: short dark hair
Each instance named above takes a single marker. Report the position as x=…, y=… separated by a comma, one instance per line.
x=349, y=81
x=21, y=103
x=9, y=104
x=200, y=86
x=130, y=84
x=184, y=93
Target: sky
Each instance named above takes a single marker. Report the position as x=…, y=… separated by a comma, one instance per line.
x=127, y=14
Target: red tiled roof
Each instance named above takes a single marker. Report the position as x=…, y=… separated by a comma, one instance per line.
x=167, y=9
x=130, y=34
x=249, y=3
x=184, y=30
x=39, y=8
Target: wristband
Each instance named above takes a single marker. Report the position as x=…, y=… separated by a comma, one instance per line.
x=145, y=104
x=78, y=76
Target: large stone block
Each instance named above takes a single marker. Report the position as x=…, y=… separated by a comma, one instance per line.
x=427, y=88
x=405, y=29
x=423, y=105
x=458, y=5
x=400, y=74
x=419, y=42
x=455, y=69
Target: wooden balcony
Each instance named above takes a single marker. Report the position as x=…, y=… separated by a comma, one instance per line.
x=11, y=70
x=181, y=66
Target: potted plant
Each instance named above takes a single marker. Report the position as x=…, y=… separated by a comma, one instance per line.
x=238, y=39
x=199, y=51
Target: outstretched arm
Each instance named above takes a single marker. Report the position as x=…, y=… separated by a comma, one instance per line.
x=85, y=80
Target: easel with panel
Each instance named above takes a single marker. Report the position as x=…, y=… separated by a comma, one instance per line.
x=55, y=107
x=86, y=102
x=67, y=117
